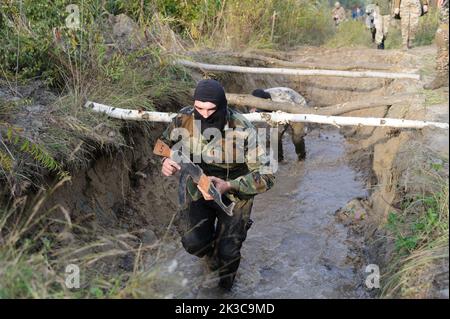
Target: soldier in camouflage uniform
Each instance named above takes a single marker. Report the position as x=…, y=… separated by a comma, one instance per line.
x=338, y=14
x=286, y=95
x=382, y=18
x=409, y=12
x=442, y=43
x=237, y=181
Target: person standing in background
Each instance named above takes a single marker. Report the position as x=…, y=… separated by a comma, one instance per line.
x=409, y=12
x=338, y=13
x=382, y=18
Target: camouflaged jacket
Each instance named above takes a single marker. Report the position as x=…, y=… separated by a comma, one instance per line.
x=250, y=177
x=385, y=6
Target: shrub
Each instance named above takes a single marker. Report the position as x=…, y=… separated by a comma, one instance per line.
x=428, y=25
x=351, y=33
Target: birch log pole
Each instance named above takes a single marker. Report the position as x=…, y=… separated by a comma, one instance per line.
x=284, y=71
x=281, y=117
x=274, y=117
x=248, y=100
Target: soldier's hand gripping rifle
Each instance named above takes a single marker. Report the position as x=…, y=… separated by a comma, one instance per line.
x=189, y=169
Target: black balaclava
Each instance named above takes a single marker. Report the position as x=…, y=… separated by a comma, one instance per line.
x=261, y=94
x=211, y=91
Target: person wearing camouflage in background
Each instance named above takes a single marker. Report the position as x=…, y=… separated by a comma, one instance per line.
x=442, y=44
x=382, y=18
x=286, y=95
x=409, y=12
x=238, y=182
x=338, y=13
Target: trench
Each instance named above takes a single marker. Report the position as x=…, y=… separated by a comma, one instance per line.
x=296, y=247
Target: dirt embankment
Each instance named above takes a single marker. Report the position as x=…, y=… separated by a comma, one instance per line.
x=121, y=193
x=116, y=191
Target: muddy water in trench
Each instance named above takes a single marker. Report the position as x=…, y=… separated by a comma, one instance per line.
x=295, y=248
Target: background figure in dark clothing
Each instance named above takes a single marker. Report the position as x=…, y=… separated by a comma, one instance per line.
x=286, y=95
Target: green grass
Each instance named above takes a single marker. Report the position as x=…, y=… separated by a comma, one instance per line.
x=351, y=34
x=428, y=25
x=435, y=97
x=393, y=38
x=242, y=24
x=409, y=234
x=419, y=231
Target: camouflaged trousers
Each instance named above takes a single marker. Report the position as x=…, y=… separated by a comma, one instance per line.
x=381, y=26
x=410, y=11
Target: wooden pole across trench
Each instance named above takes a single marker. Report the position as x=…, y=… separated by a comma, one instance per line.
x=274, y=117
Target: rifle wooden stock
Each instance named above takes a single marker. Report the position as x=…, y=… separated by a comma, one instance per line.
x=162, y=149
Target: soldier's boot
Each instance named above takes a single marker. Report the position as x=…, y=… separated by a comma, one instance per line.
x=280, y=155
x=300, y=149
x=280, y=149
x=438, y=82
x=381, y=45
x=230, y=255
x=212, y=261
x=226, y=282
x=408, y=45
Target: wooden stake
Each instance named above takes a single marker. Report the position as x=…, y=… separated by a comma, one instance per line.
x=274, y=15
